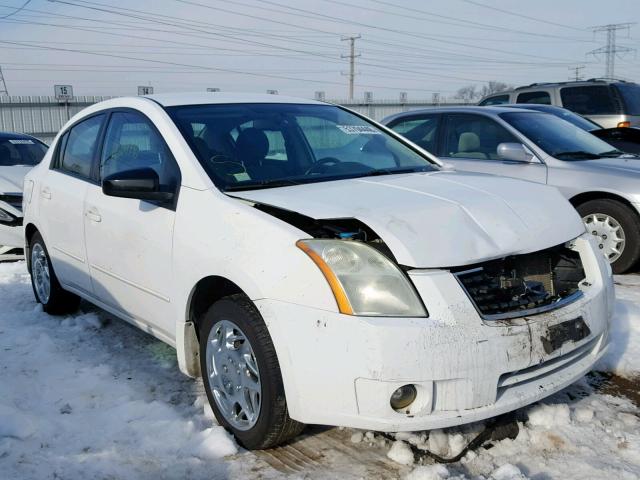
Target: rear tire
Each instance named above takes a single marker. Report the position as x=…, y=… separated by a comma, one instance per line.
x=55, y=300
x=594, y=213
x=250, y=352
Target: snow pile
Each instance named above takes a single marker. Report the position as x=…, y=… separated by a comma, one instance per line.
x=88, y=396
x=401, y=452
x=623, y=357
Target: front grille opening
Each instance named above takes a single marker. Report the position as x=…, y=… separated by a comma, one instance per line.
x=515, y=285
x=15, y=200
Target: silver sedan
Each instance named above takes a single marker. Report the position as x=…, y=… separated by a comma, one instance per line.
x=602, y=182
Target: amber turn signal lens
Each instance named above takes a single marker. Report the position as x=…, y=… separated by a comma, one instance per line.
x=624, y=124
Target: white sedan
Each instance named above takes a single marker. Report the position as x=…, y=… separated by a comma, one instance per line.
x=314, y=267
x=18, y=154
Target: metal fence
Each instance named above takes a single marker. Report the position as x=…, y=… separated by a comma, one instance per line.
x=43, y=116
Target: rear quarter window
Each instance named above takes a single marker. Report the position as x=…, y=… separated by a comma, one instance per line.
x=495, y=100
x=590, y=100
x=541, y=97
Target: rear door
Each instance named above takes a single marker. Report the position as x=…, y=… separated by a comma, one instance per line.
x=470, y=142
x=62, y=195
x=129, y=241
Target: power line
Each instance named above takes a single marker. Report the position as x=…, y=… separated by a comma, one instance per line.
x=352, y=61
x=17, y=10
x=472, y=2
x=611, y=49
x=576, y=72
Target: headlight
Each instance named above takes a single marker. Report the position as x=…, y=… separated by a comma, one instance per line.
x=363, y=280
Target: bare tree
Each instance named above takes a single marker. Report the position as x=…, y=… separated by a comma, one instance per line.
x=467, y=94
x=493, y=87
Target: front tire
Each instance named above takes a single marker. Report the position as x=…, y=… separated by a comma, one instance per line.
x=241, y=375
x=55, y=300
x=617, y=231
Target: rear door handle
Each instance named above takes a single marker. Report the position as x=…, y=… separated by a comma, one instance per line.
x=93, y=215
x=45, y=193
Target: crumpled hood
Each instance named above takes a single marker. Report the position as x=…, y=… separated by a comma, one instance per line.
x=439, y=219
x=12, y=178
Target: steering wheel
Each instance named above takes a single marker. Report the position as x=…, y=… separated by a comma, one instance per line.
x=226, y=165
x=322, y=162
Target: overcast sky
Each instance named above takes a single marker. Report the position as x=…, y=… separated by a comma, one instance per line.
x=110, y=47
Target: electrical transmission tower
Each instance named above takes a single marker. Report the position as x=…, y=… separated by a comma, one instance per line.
x=611, y=49
x=3, y=85
x=352, y=61
x=576, y=75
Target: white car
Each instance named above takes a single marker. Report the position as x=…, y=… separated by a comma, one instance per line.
x=314, y=267
x=18, y=154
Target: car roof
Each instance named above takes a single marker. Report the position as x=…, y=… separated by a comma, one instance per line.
x=495, y=110
x=16, y=136
x=206, y=98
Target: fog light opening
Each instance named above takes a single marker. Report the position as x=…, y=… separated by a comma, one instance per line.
x=403, y=397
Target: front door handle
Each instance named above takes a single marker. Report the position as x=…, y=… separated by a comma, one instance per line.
x=45, y=193
x=93, y=215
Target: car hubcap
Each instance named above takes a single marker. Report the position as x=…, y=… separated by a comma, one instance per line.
x=609, y=234
x=40, y=273
x=233, y=375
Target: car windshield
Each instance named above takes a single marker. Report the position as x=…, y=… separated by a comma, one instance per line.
x=559, y=138
x=578, y=120
x=248, y=146
x=631, y=95
x=21, y=151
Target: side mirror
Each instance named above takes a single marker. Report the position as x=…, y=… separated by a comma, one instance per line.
x=141, y=184
x=515, y=152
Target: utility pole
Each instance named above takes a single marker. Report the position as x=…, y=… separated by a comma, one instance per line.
x=352, y=61
x=3, y=85
x=611, y=49
x=576, y=76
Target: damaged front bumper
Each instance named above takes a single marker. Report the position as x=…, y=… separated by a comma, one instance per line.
x=341, y=370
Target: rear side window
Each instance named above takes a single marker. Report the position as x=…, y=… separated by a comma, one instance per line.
x=78, y=147
x=631, y=97
x=422, y=131
x=589, y=100
x=534, y=97
x=497, y=100
x=132, y=143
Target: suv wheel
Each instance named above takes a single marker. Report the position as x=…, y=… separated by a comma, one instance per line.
x=617, y=231
x=241, y=375
x=54, y=299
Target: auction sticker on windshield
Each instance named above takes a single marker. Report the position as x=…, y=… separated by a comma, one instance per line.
x=358, y=130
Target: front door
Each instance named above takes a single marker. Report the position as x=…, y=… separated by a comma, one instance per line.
x=129, y=241
x=470, y=142
x=62, y=195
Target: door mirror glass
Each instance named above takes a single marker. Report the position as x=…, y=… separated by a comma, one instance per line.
x=515, y=152
x=141, y=184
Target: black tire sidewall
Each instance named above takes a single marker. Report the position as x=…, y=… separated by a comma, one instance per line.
x=630, y=223
x=247, y=318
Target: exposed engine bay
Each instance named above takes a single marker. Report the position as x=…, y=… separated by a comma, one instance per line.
x=514, y=285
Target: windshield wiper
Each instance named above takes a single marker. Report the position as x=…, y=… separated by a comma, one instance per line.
x=280, y=182
x=392, y=171
x=577, y=154
x=611, y=153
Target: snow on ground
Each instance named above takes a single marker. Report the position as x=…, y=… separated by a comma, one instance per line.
x=90, y=397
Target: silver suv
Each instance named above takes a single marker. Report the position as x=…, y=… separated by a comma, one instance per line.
x=609, y=103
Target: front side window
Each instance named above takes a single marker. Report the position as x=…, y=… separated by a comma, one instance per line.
x=589, y=100
x=244, y=146
x=132, y=143
x=559, y=138
x=534, y=97
x=79, y=146
x=422, y=130
x=21, y=152
x=497, y=100
x=474, y=136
